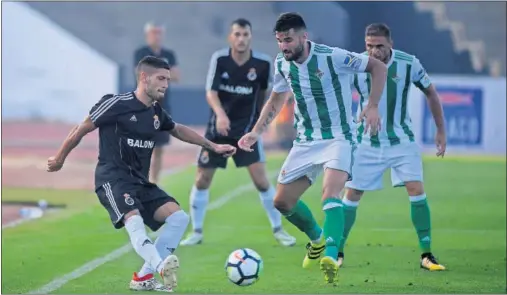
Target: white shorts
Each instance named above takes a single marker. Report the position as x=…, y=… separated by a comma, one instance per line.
x=311, y=158
x=370, y=163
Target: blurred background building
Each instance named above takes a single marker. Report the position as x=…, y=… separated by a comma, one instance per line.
x=59, y=58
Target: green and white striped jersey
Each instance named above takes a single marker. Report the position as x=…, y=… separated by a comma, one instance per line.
x=403, y=69
x=323, y=108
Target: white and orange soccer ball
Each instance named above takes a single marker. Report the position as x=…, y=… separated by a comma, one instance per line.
x=243, y=267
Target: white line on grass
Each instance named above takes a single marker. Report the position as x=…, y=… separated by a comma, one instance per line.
x=92, y=265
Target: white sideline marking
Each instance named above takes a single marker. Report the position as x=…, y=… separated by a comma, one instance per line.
x=92, y=265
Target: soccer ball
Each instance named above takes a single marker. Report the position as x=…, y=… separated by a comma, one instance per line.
x=243, y=267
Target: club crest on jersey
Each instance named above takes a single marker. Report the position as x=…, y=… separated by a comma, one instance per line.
x=252, y=74
x=204, y=157
x=319, y=73
x=128, y=199
x=156, y=122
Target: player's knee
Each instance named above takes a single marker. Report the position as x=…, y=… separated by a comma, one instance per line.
x=330, y=192
x=262, y=185
x=130, y=214
x=353, y=194
x=180, y=218
x=283, y=205
x=414, y=188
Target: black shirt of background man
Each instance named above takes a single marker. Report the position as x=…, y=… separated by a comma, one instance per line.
x=239, y=89
x=127, y=128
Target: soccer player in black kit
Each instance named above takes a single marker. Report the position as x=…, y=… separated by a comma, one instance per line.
x=127, y=125
x=237, y=82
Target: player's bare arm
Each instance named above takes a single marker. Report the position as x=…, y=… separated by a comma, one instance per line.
x=269, y=112
x=223, y=123
x=55, y=163
x=186, y=134
x=378, y=72
x=438, y=115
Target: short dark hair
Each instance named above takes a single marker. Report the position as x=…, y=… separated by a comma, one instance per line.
x=152, y=62
x=242, y=22
x=378, y=30
x=289, y=20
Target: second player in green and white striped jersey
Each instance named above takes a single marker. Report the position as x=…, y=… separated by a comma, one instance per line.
x=323, y=108
x=403, y=69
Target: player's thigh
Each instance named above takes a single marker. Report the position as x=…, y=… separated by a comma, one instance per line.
x=406, y=164
x=300, y=163
x=157, y=206
x=120, y=199
x=338, y=168
x=368, y=168
x=259, y=176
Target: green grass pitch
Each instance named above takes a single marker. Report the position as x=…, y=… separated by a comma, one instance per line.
x=467, y=200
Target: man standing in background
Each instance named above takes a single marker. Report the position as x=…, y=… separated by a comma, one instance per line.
x=154, y=37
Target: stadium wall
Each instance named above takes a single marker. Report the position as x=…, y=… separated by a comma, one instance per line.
x=475, y=113
x=47, y=72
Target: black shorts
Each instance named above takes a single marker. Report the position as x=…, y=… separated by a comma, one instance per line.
x=162, y=138
x=209, y=159
x=120, y=197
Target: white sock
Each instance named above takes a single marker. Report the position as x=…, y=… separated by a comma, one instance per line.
x=169, y=238
x=141, y=242
x=198, y=202
x=275, y=218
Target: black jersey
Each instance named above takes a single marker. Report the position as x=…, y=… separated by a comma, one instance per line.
x=238, y=89
x=127, y=128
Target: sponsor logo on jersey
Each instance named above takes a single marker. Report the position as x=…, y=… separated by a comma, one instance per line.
x=144, y=144
x=241, y=90
x=352, y=61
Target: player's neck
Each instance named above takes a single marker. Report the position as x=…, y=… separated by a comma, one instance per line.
x=143, y=97
x=388, y=58
x=306, y=53
x=240, y=57
x=156, y=49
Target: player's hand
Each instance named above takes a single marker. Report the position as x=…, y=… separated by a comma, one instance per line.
x=224, y=150
x=371, y=116
x=245, y=143
x=223, y=125
x=441, y=143
x=54, y=165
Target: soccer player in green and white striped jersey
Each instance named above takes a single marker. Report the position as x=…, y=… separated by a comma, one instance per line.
x=394, y=147
x=318, y=76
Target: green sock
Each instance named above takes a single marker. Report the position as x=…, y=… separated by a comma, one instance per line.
x=349, y=212
x=420, y=213
x=303, y=219
x=333, y=225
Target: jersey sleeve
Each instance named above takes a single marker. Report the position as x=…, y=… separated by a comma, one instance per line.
x=105, y=111
x=166, y=121
x=419, y=76
x=349, y=62
x=213, y=77
x=280, y=84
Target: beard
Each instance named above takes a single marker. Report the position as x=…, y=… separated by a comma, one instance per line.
x=298, y=52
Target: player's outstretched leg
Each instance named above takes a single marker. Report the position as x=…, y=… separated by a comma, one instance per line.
x=421, y=219
x=144, y=247
x=267, y=194
x=350, y=202
x=334, y=181
x=167, y=241
x=297, y=212
x=199, y=198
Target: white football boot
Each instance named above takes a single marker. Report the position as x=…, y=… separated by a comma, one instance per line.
x=284, y=238
x=147, y=283
x=192, y=239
